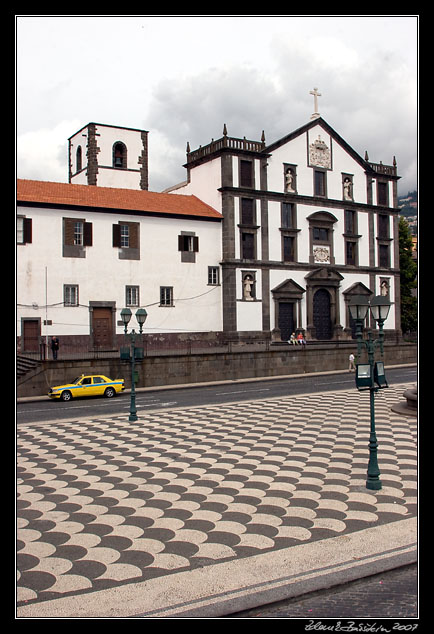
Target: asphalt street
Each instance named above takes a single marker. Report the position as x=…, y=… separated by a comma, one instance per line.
x=44, y=410
x=391, y=594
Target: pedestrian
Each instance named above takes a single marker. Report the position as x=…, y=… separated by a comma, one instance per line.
x=292, y=339
x=54, y=346
x=301, y=340
x=352, y=364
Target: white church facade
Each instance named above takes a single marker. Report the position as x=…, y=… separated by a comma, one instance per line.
x=260, y=240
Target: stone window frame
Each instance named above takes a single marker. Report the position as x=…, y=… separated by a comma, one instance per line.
x=188, y=246
x=67, y=290
x=70, y=248
x=287, y=231
x=132, y=251
x=322, y=220
x=323, y=171
x=166, y=297
x=243, y=159
x=124, y=165
x=351, y=235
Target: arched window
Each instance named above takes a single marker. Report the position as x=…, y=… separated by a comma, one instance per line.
x=119, y=155
x=78, y=162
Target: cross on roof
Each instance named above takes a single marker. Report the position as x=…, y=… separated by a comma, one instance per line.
x=315, y=94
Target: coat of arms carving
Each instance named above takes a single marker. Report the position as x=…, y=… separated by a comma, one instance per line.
x=319, y=154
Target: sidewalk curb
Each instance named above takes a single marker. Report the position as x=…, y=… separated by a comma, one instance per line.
x=221, y=589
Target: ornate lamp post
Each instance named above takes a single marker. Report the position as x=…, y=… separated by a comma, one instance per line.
x=136, y=353
x=366, y=374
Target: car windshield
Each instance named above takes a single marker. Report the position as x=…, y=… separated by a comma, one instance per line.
x=77, y=380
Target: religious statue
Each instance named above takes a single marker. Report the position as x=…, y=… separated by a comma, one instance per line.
x=247, y=288
x=348, y=195
x=289, y=181
x=384, y=288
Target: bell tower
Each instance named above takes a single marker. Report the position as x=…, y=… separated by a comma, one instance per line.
x=109, y=156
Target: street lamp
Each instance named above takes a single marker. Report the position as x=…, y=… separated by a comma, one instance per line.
x=368, y=373
x=133, y=353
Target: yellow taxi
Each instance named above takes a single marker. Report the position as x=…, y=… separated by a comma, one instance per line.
x=87, y=385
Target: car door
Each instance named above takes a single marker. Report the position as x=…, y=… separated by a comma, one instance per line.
x=98, y=385
x=86, y=386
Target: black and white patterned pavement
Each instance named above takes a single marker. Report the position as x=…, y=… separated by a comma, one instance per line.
x=104, y=502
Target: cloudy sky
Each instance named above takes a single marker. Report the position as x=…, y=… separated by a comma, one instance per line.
x=182, y=77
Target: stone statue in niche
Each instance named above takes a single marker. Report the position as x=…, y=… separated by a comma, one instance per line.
x=319, y=154
x=248, y=288
x=289, y=181
x=348, y=189
x=384, y=288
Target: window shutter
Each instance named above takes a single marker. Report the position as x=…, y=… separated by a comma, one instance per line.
x=134, y=235
x=181, y=243
x=87, y=234
x=27, y=230
x=195, y=244
x=116, y=235
x=68, y=226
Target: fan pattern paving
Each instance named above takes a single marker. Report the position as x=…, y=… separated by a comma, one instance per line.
x=104, y=501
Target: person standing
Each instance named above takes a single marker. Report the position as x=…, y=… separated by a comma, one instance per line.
x=54, y=346
x=352, y=365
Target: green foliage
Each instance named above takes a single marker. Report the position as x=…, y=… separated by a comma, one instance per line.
x=408, y=270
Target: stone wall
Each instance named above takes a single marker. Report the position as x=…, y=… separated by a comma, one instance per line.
x=158, y=371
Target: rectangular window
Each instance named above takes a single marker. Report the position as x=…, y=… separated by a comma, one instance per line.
x=213, y=275
x=288, y=249
x=132, y=296
x=247, y=212
x=125, y=236
x=319, y=183
x=166, y=295
x=188, y=243
x=350, y=221
x=287, y=216
x=70, y=295
x=247, y=246
x=382, y=193
x=351, y=253
x=246, y=174
x=383, y=226
x=78, y=233
x=384, y=255
x=320, y=234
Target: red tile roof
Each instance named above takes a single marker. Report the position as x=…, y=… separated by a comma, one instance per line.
x=45, y=192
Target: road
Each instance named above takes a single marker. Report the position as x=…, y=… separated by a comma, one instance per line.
x=389, y=595
x=46, y=410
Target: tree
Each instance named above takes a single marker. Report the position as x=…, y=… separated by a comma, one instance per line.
x=408, y=273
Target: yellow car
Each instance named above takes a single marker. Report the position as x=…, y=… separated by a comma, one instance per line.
x=88, y=385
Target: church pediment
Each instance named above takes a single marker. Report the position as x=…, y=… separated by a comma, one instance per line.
x=288, y=288
x=324, y=274
x=358, y=288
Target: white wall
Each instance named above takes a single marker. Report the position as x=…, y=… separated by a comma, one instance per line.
x=102, y=276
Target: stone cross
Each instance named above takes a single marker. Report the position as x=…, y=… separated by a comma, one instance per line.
x=315, y=94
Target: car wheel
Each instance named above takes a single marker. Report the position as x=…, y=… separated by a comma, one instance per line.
x=66, y=395
x=110, y=392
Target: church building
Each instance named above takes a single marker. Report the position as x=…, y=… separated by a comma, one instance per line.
x=307, y=224
x=259, y=242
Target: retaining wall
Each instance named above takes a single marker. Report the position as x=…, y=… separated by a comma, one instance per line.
x=196, y=368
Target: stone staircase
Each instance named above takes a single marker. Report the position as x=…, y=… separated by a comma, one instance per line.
x=25, y=365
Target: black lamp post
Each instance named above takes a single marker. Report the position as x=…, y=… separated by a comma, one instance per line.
x=141, y=316
x=366, y=374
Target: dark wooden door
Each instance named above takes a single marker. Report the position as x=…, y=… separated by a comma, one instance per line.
x=286, y=320
x=321, y=314
x=31, y=334
x=102, y=326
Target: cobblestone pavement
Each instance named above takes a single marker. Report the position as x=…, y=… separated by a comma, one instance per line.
x=104, y=502
x=393, y=594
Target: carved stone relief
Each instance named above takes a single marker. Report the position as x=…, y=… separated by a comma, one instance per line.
x=319, y=154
